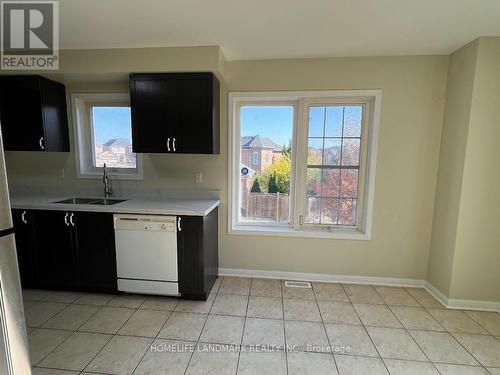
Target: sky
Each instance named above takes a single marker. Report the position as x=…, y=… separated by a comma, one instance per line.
x=275, y=123
x=111, y=122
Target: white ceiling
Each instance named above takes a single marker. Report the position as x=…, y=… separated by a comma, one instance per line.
x=256, y=29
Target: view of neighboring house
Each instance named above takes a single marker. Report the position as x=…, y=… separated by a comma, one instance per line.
x=115, y=152
x=259, y=152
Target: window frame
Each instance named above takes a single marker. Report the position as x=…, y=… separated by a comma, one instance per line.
x=300, y=101
x=84, y=136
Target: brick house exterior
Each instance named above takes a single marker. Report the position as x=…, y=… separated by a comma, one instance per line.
x=259, y=152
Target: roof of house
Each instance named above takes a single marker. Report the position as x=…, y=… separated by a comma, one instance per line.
x=118, y=142
x=257, y=141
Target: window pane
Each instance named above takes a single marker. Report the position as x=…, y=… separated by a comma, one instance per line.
x=332, y=151
x=347, y=212
x=349, y=186
x=329, y=211
x=315, y=151
x=334, y=121
x=314, y=182
x=265, y=163
x=350, y=152
x=352, y=121
x=313, y=210
x=316, y=121
x=112, y=137
x=331, y=182
x=334, y=200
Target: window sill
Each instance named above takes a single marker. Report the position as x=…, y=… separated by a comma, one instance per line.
x=343, y=234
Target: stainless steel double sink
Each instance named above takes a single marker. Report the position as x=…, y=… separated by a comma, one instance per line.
x=102, y=202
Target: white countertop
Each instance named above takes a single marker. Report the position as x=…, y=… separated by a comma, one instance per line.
x=155, y=206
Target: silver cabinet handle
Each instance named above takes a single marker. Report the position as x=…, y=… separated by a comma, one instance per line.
x=173, y=143
x=71, y=219
x=23, y=219
x=168, y=144
x=179, y=224
x=40, y=142
x=66, y=219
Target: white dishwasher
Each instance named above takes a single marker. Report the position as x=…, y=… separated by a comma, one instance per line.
x=146, y=254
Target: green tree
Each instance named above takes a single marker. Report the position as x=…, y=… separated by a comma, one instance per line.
x=255, y=186
x=281, y=170
x=287, y=150
x=273, y=186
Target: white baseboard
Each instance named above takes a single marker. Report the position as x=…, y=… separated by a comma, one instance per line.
x=298, y=276
x=436, y=293
x=389, y=281
x=461, y=304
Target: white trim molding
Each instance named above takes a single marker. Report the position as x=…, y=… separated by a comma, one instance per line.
x=461, y=304
x=455, y=304
x=322, y=277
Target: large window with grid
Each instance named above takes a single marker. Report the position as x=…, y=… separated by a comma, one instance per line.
x=316, y=176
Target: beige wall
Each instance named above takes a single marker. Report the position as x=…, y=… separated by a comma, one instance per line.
x=476, y=266
x=451, y=165
x=411, y=118
x=407, y=163
x=464, y=258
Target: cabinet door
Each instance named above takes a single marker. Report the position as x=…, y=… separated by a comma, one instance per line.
x=25, y=246
x=190, y=257
x=56, y=258
x=196, y=130
x=151, y=106
x=55, y=117
x=95, y=239
x=20, y=114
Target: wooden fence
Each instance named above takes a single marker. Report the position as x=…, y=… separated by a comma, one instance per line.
x=273, y=206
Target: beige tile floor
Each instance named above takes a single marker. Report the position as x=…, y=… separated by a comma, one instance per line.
x=341, y=329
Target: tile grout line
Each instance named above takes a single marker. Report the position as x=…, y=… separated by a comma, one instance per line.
x=73, y=331
x=244, y=325
x=113, y=335
x=459, y=343
x=282, y=300
x=412, y=338
x=152, y=339
x=203, y=327
x=364, y=327
x=478, y=323
x=324, y=327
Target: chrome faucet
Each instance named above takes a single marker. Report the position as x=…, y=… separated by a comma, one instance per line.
x=107, y=188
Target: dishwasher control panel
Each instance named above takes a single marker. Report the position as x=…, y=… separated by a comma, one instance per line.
x=145, y=223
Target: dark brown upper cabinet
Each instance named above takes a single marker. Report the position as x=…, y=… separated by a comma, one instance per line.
x=175, y=113
x=33, y=114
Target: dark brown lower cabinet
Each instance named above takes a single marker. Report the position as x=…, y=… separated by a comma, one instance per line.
x=25, y=245
x=96, y=257
x=197, y=248
x=65, y=250
x=56, y=266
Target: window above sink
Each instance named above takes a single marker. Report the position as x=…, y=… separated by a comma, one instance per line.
x=104, y=136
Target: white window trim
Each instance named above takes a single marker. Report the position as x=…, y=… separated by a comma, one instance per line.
x=235, y=99
x=82, y=140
